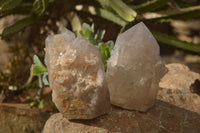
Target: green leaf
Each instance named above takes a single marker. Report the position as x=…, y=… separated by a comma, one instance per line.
x=11, y=5
x=96, y=36
x=45, y=78
x=87, y=27
x=16, y=27
x=86, y=34
x=105, y=4
x=106, y=14
x=183, y=3
x=41, y=104
x=75, y=22
x=123, y=10
x=110, y=16
x=38, y=70
x=149, y=6
x=111, y=45
x=105, y=53
x=103, y=49
x=22, y=9
x=33, y=103
x=40, y=6
x=172, y=41
x=37, y=61
x=101, y=35
x=92, y=28
x=179, y=14
x=87, y=31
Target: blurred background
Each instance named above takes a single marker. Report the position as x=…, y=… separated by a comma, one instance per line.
x=24, y=25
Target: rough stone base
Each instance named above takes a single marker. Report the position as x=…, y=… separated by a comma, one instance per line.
x=19, y=118
x=162, y=118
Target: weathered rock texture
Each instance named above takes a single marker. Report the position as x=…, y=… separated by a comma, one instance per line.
x=59, y=124
x=134, y=69
x=176, y=85
x=77, y=77
x=162, y=118
x=20, y=118
x=179, y=77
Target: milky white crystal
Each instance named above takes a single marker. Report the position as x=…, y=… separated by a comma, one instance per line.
x=134, y=69
x=77, y=77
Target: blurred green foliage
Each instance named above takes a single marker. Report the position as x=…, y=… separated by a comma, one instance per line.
x=123, y=13
x=33, y=9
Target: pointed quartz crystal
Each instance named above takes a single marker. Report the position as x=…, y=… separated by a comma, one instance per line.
x=135, y=69
x=76, y=76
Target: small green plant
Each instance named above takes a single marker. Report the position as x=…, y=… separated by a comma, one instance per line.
x=96, y=39
x=38, y=102
x=38, y=69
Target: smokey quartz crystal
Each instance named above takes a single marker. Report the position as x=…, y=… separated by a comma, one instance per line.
x=135, y=69
x=76, y=76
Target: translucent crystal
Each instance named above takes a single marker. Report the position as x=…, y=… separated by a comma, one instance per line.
x=134, y=69
x=77, y=77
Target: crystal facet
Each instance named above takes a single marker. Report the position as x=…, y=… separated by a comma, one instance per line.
x=77, y=77
x=134, y=69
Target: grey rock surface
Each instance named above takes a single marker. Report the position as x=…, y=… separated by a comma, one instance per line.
x=180, y=87
x=179, y=77
x=20, y=118
x=161, y=118
x=134, y=69
x=59, y=124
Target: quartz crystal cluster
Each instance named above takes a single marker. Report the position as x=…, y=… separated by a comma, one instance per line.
x=135, y=69
x=76, y=76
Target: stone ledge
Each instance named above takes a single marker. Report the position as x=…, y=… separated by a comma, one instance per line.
x=20, y=118
x=162, y=117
